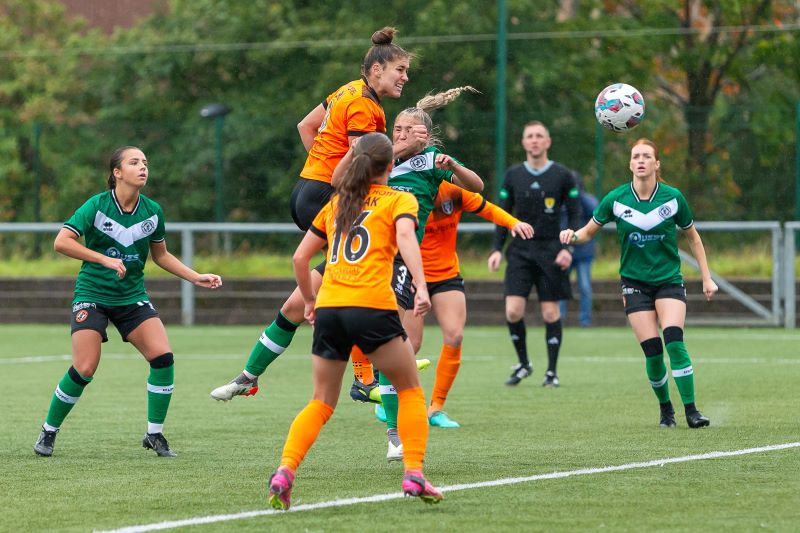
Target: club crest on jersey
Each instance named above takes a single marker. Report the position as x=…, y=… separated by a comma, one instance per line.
x=665, y=211
x=148, y=227
x=418, y=162
x=447, y=207
x=549, y=204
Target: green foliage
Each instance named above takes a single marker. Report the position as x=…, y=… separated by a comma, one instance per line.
x=273, y=61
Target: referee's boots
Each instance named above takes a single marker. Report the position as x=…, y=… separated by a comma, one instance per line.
x=519, y=372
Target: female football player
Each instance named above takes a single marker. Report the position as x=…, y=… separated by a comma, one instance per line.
x=120, y=227
x=364, y=226
x=646, y=211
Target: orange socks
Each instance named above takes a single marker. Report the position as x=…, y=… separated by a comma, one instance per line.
x=412, y=424
x=304, y=431
x=362, y=367
x=446, y=370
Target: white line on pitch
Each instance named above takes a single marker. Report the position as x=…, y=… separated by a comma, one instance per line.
x=451, y=488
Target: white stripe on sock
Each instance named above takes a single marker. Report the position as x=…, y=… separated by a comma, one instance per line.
x=270, y=345
x=682, y=372
x=64, y=397
x=155, y=428
x=160, y=389
x=659, y=383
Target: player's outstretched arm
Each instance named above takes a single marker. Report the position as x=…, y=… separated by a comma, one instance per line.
x=462, y=176
x=583, y=235
x=163, y=258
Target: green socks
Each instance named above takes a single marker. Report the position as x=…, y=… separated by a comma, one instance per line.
x=159, y=391
x=390, y=401
x=66, y=395
x=656, y=369
x=680, y=363
x=275, y=339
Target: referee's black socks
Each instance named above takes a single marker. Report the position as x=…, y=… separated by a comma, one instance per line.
x=552, y=336
x=517, y=332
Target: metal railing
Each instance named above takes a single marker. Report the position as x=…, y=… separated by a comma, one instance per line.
x=783, y=258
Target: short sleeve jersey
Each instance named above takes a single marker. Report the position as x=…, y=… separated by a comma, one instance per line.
x=358, y=270
x=353, y=109
x=646, y=231
x=438, y=246
x=419, y=176
x=109, y=230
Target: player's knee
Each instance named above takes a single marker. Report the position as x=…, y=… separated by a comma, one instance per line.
x=453, y=336
x=551, y=315
x=163, y=361
x=673, y=334
x=85, y=369
x=652, y=347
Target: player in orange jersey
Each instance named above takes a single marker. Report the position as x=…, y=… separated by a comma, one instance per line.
x=446, y=286
x=364, y=226
x=327, y=131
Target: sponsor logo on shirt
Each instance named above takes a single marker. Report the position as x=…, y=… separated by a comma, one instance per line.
x=638, y=239
x=126, y=258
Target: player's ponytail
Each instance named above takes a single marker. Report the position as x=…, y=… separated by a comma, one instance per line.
x=429, y=102
x=116, y=162
x=371, y=157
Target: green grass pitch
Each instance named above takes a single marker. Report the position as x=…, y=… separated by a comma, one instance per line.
x=604, y=414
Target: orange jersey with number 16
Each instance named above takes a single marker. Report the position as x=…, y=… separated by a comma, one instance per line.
x=353, y=109
x=438, y=247
x=358, y=270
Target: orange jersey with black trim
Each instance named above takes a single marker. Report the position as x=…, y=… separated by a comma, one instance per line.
x=353, y=109
x=358, y=270
x=438, y=247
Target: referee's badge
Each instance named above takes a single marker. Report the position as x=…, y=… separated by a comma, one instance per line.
x=549, y=204
x=447, y=207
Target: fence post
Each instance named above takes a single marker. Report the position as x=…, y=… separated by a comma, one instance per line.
x=187, y=289
x=789, y=295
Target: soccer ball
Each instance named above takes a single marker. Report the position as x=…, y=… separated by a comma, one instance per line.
x=619, y=107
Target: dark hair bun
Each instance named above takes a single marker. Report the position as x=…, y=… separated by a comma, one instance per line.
x=383, y=36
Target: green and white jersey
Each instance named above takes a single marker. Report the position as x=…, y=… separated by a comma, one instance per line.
x=419, y=176
x=646, y=231
x=109, y=230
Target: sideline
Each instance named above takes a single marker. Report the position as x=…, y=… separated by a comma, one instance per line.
x=451, y=488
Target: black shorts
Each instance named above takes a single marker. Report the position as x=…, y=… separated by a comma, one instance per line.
x=446, y=285
x=126, y=318
x=638, y=296
x=338, y=329
x=535, y=265
x=308, y=198
x=402, y=284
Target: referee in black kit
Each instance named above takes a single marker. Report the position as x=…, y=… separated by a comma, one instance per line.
x=534, y=192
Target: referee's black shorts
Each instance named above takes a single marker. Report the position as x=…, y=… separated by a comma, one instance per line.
x=534, y=264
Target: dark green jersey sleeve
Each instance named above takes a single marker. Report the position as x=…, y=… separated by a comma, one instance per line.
x=684, y=219
x=604, y=212
x=83, y=219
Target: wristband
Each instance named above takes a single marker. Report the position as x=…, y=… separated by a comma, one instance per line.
x=574, y=237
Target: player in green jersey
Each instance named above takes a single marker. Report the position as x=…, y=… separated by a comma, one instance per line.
x=420, y=167
x=646, y=212
x=121, y=227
